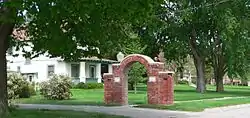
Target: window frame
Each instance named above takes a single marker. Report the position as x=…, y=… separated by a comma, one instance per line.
x=48, y=71
x=78, y=65
x=90, y=71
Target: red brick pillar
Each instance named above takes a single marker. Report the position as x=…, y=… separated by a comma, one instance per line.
x=108, y=88
x=153, y=88
x=170, y=89
x=153, y=82
x=166, y=88
x=119, y=91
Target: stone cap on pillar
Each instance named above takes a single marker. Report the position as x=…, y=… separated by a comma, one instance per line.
x=165, y=74
x=170, y=72
x=108, y=75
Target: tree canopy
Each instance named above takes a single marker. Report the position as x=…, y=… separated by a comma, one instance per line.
x=69, y=29
x=215, y=32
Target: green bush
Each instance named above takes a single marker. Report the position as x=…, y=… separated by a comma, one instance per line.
x=82, y=85
x=130, y=86
x=57, y=88
x=32, y=90
x=94, y=85
x=17, y=86
x=25, y=92
x=183, y=82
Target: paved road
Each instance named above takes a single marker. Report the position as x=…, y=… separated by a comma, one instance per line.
x=242, y=111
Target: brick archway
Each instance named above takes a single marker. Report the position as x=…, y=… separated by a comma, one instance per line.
x=160, y=82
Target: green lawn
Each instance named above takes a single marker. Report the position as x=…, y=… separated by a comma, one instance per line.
x=57, y=114
x=199, y=105
x=182, y=93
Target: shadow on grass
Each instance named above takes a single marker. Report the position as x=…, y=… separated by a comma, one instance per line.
x=142, y=88
x=192, y=91
x=137, y=92
x=236, y=93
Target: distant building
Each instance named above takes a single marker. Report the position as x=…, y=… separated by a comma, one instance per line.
x=89, y=69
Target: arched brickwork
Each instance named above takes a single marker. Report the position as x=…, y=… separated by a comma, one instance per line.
x=160, y=83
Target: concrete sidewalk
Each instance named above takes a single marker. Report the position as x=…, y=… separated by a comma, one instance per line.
x=120, y=110
x=238, y=111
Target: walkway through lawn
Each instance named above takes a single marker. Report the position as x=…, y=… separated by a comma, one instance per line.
x=121, y=110
x=223, y=112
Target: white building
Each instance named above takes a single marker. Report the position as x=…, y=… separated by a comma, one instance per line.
x=40, y=68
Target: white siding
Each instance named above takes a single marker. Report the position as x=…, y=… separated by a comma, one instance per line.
x=39, y=66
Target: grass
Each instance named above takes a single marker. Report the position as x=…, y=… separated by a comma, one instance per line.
x=95, y=97
x=199, y=105
x=57, y=114
x=182, y=93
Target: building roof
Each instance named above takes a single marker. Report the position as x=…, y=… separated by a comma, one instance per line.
x=20, y=34
x=95, y=59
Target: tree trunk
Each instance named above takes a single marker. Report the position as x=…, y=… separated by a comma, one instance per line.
x=135, y=90
x=219, y=85
x=3, y=75
x=218, y=76
x=219, y=64
x=6, y=28
x=5, y=31
x=199, y=63
x=181, y=73
x=200, y=82
x=3, y=82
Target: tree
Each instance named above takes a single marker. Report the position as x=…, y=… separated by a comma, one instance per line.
x=207, y=30
x=69, y=29
x=227, y=36
x=135, y=75
x=179, y=35
x=137, y=70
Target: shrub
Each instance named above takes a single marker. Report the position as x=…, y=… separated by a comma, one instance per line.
x=25, y=92
x=183, y=82
x=17, y=86
x=130, y=86
x=82, y=85
x=57, y=88
x=94, y=85
x=32, y=90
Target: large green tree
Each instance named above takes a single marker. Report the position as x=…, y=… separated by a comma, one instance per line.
x=69, y=29
x=230, y=40
x=214, y=28
x=215, y=32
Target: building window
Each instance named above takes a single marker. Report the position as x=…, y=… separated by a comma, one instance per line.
x=18, y=69
x=92, y=71
x=75, y=70
x=51, y=70
x=30, y=78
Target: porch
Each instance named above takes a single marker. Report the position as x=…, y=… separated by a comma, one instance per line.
x=90, y=70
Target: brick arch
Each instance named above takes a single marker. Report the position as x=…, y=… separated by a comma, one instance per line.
x=160, y=82
x=148, y=63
